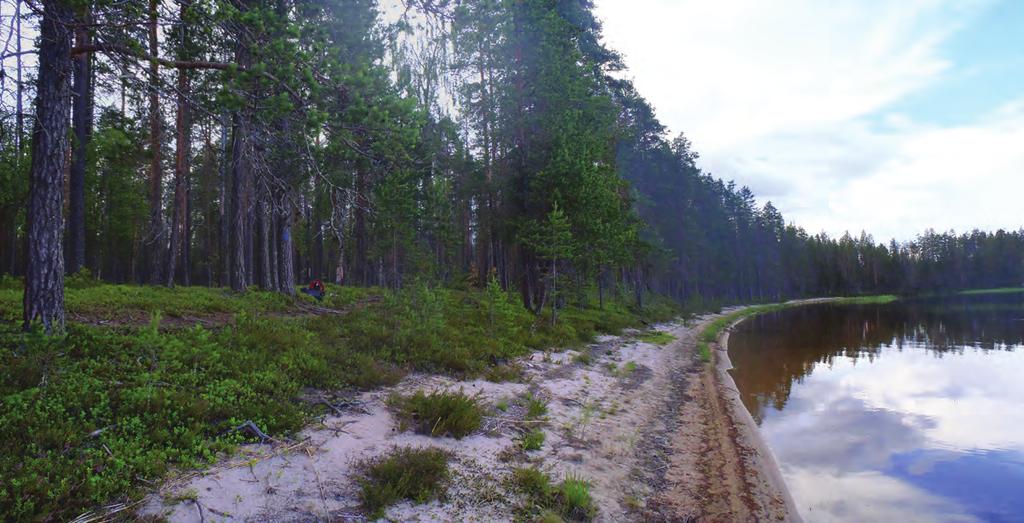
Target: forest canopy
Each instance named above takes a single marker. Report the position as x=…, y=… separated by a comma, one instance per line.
x=246, y=143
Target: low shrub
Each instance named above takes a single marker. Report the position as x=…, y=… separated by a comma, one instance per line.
x=440, y=413
x=533, y=482
x=535, y=407
x=505, y=372
x=532, y=440
x=571, y=499
x=418, y=475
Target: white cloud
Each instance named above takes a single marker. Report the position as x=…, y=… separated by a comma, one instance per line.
x=790, y=97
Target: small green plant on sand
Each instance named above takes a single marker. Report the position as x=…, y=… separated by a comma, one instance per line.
x=534, y=483
x=532, y=440
x=575, y=499
x=627, y=369
x=570, y=500
x=535, y=407
x=704, y=350
x=583, y=358
x=505, y=372
x=656, y=337
x=418, y=475
x=440, y=413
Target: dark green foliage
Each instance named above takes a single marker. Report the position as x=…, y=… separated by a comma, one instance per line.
x=160, y=400
x=440, y=413
x=418, y=475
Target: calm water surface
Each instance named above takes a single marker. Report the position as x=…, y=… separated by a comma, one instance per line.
x=912, y=411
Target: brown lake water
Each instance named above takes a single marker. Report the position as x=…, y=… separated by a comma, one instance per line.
x=910, y=411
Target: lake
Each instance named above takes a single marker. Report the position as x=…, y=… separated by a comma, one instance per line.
x=909, y=411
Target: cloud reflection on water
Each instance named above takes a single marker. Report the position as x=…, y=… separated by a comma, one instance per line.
x=891, y=413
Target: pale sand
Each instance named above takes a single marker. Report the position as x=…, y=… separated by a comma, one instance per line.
x=665, y=442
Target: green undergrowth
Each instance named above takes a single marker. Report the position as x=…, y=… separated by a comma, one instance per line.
x=570, y=500
x=85, y=297
x=418, y=475
x=440, y=413
x=97, y=415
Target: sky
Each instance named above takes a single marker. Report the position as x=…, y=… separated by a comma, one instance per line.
x=890, y=117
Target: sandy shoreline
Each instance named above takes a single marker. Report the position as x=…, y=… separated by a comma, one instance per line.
x=667, y=440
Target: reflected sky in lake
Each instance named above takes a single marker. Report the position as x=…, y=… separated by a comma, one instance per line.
x=904, y=412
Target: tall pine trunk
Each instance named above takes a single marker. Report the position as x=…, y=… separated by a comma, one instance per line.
x=155, y=238
x=338, y=221
x=182, y=154
x=19, y=118
x=239, y=177
x=360, y=262
x=266, y=240
x=82, y=119
x=285, y=252
x=224, y=209
x=44, y=274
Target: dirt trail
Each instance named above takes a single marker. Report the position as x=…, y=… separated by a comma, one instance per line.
x=647, y=424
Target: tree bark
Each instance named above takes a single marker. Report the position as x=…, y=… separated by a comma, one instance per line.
x=239, y=175
x=224, y=209
x=20, y=116
x=338, y=222
x=264, y=220
x=156, y=233
x=286, y=262
x=182, y=154
x=82, y=119
x=360, y=262
x=44, y=274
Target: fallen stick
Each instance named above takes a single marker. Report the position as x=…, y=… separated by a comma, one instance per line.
x=251, y=428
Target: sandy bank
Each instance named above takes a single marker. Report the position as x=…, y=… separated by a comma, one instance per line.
x=719, y=467
x=662, y=440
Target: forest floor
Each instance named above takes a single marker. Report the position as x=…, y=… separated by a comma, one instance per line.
x=642, y=417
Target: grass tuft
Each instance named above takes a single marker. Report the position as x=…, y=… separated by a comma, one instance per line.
x=418, y=475
x=656, y=337
x=440, y=413
x=532, y=440
x=583, y=358
x=535, y=407
x=505, y=372
x=533, y=482
x=569, y=500
x=575, y=499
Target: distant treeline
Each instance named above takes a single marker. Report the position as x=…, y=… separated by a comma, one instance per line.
x=252, y=143
x=713, y=241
